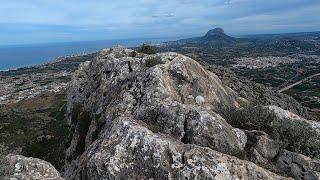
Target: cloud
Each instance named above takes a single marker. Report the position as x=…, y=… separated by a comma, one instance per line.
x=236, y=1
x=100, y=19
x=163, y=16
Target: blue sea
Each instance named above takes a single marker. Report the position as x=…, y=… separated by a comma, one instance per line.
x=12, y=57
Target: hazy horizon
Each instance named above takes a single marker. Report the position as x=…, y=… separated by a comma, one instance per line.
x=141, y=38
x=90, y=41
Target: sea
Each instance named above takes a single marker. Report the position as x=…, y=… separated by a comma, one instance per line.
x=16, y=56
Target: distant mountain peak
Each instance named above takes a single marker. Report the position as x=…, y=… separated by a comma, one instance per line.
x=218, y=35
x=214, y=32
x=215, y=36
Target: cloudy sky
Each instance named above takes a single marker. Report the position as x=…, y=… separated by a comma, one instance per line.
x=41, y=21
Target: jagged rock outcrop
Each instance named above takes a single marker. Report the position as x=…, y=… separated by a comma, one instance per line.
x=130, y=150
x=171, y=93
x=136, y=116
x=139, y=116
x=30, y=168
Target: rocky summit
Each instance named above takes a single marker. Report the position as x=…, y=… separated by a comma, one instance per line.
x=215, y=32
x=164, y=116
x=218, y=34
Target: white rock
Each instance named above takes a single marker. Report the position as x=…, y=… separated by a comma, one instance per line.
x=199, y=100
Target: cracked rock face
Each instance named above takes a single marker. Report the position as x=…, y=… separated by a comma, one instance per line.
x=136, y=116
x=131, y=151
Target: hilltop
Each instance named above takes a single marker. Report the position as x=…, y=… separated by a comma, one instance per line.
x=218, y=34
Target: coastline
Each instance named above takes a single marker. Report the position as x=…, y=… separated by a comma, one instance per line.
x=47, y=62
x=24, y=56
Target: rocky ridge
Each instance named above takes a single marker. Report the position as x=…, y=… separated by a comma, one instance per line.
x=163, y=116
x=127, y=108
x=156, y=109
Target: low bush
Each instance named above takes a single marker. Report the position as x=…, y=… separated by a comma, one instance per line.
x=147, y=49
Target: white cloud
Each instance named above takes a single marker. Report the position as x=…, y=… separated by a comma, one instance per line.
x=157, y=17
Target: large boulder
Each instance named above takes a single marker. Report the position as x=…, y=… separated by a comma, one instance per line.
x=262, y=147
x=298, y=166
x=30, y=168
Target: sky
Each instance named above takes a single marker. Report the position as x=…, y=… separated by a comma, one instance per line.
x=46, y=21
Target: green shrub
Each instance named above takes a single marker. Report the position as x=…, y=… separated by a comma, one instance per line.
x=249, y=118
x=153, y=60
x=147, y=49
x=297, y=136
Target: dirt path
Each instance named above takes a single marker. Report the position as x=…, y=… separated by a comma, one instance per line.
x=298, y=82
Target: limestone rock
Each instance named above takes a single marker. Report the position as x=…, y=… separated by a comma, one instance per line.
x=134, y=116
x=31, y=168
x=287, y=115
x=298, y=165
x=131, y=151
x=263, y=144
x=157, y=95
